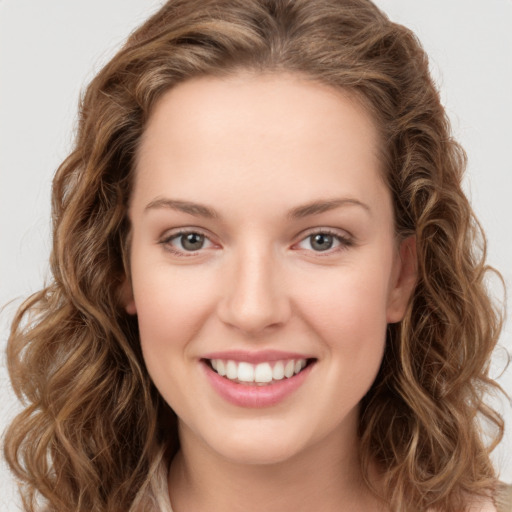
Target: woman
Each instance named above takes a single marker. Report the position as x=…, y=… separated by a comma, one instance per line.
x=266, y=291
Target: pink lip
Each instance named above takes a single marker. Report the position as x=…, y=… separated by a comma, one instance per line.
x=252, y=395
x=255, y=357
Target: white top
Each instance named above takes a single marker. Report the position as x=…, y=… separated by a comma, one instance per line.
x=502, y=500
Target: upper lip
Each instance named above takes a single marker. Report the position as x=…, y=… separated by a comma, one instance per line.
x=255, y=357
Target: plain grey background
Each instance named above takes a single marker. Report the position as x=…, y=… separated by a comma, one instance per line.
x=50, y=50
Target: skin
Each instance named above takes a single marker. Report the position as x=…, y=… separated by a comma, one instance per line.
x=254, y=147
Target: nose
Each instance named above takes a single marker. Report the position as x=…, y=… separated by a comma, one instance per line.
x=255, y=299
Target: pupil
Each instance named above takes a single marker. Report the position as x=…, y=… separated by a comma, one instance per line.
x=192, y=241
x=322, y=242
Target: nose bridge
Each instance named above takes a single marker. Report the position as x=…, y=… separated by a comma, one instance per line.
x=255, y=298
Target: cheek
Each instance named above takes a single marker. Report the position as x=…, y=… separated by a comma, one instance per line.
x=352, y=301
x=172, y=305
x=348, y=314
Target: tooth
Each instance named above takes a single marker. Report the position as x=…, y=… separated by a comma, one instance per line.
x=299, y=364
x=221, y=367
x=263, y=373
x=289, y=369
x=231, y=370
x=278, y=371
x=245, y=372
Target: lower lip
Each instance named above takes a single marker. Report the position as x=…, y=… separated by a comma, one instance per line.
x=247, y=395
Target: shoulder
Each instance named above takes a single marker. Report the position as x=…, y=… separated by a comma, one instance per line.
x=500, y=502
x=481, y=505
x=503, y=497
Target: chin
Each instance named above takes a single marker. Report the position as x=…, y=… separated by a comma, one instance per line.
x=258, y=455
x=258, y=446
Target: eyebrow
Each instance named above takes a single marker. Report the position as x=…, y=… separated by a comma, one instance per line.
x=316, y=207
x=196, y=209
x=299, y=212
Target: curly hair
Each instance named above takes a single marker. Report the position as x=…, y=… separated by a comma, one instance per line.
x=94, y=431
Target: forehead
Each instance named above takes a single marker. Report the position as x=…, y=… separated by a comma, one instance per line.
x=269, y=132
x=246, y=100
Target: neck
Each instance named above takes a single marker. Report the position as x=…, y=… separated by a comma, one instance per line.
x=325, y=477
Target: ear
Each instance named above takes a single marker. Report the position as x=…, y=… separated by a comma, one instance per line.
x=404, y=278
x=126, y=297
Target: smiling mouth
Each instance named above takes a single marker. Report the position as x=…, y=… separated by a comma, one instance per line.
x=261, y=374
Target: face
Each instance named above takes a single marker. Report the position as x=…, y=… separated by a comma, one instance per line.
x=264, y=265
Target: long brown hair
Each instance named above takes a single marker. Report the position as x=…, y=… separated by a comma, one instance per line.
x=95, y=430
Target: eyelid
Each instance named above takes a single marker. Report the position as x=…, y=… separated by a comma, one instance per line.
x=342, y=233
x=344, y=238
x=170, y=235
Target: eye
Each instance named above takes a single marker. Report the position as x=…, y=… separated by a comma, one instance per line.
x=186, y=242
x=325, y=240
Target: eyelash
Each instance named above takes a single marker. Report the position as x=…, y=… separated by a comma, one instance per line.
x=344, y=242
